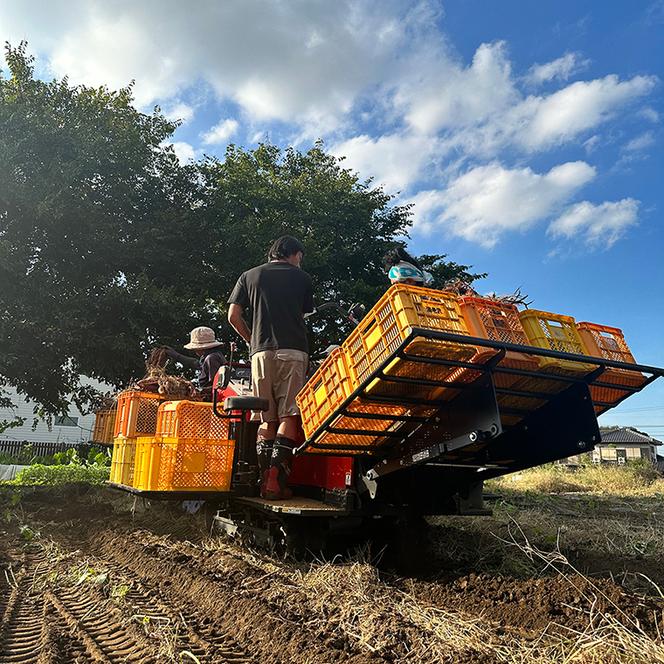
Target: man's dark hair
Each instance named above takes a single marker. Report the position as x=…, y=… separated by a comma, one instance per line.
x=398, y=254
x=283, y=248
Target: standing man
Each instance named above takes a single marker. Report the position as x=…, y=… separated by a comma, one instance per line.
x=276, y=294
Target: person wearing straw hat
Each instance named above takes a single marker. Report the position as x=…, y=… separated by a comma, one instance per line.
x=204, y=343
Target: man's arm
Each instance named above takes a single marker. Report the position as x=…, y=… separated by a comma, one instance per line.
x=236, y=319
x=184, y=360
x=308, y=303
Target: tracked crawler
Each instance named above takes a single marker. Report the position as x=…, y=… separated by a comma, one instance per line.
x=429, y=396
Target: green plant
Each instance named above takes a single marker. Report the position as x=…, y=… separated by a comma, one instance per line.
x=119, y=592
x=40, y=475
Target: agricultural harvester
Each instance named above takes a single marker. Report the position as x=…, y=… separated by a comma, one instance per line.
x=429, y=396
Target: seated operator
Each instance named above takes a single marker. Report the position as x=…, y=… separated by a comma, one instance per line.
x=204, y=343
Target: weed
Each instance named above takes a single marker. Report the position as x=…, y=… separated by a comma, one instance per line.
x=119, y=592
x=27, y=533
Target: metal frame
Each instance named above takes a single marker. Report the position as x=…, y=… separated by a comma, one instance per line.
x=491, y=366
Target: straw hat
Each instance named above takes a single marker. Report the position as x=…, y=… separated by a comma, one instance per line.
x=202, y=338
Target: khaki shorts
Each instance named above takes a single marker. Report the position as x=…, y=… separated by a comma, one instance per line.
x=278, y=375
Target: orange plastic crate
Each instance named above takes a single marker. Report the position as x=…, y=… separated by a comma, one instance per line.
x=104, y=425
x=492, y=319
x=190, y=419
x=499, y=321
x=390, y=322
x=136, y=413
x=555, y=332
x=604, y=341
x=609, y=343
x=184, y=464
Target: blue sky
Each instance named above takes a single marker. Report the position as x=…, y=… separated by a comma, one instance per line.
x=527, y=134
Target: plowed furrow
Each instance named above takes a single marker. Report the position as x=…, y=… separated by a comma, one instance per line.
x=209, y=597
x=194, y=631
x=99, y=628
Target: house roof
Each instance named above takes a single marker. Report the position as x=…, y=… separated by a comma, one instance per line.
x=626, y=435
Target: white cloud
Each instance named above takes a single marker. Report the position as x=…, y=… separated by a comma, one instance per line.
x=183, y=151
x=488, y=201
x=642, y=142
x=591, y=144
x=597, y=225
x=577, y=108
x=649, y=114
x=444, y=94
x=221, y=132
x=179, y=111
x=560, y=69
x=541, y=122
x=288, y=61
x=395, y=161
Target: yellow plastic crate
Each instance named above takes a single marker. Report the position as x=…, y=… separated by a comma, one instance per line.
x=104, y=424
x=324, y=392
x=555, y=332
x=184, y=464
x=123, y=460
x=136, y=413
x=190, y=419
x=390, y=322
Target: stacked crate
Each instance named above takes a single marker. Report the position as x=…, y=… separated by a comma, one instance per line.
x=104, y=426
x=499, y=321
x=378, y=336
x=375, y=341
x=136, y=417
x=609, y=343
x=190, y=451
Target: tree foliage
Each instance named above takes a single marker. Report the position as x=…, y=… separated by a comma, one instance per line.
x=108, y=245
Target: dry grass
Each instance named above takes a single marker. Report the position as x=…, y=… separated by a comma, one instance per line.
x=606, y=640
x=629, y=480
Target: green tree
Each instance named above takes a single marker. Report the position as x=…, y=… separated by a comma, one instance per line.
x=346, y=224
x=109, y=246
x=94, y=235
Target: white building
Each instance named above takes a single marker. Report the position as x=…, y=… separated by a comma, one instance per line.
x=622, y=444
x=73, y=428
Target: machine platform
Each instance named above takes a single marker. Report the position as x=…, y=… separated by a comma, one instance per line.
x=295, y=505
x=171, y=495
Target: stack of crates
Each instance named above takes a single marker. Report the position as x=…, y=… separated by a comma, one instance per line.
x=609, y=343
x=388, y=324
x=499, y=321
x=104, y=426
x=136, y=417
x=374, y=341
x=190, y=451
x=325, y=392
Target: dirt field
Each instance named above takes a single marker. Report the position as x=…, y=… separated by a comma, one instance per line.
x=543, y=580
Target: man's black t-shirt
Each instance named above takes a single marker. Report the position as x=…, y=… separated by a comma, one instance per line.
x=276, y=294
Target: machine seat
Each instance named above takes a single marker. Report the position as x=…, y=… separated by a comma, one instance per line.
x=245, y=403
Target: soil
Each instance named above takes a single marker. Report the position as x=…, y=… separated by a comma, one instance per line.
x=90, y=581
